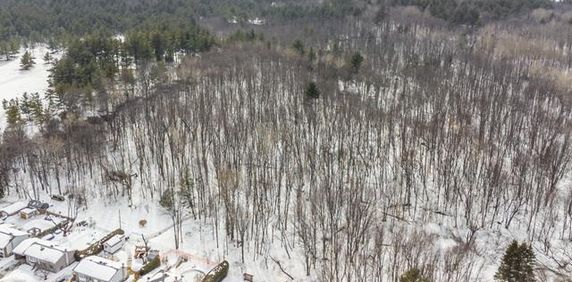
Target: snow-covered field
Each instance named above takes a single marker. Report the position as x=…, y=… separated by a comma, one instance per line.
x=14, y=82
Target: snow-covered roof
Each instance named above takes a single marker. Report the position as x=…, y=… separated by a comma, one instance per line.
x=5, y=240
x=116, y=239
x=24, y=245
x=28, y=210
x=40, y=249
x=8, y=229
x=39, y=223
x=14, y=208
x=8, y=233
x=44, y=253
x=98, y=268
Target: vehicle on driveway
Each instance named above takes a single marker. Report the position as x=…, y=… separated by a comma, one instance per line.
x=58, y=198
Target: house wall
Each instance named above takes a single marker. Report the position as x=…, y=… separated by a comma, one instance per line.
x=84, y=278
x=113, y=249
x=16, y=241
x=8, y=249
x=118, y=277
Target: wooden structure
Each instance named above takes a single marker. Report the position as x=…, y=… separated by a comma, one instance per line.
x=248, y=277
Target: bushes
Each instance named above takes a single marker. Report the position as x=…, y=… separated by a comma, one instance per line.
x=517, y=264
x=218, y=273
x=150, y=266
x=413, y=275
x=312, y=91
x=92, y=250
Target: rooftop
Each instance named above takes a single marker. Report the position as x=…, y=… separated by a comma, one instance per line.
x=7, y=233
x=98, y=268
x=114, y=240
x=40, y=249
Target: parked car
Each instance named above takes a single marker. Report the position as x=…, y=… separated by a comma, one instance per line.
x=58, y=198
x=58, y=231
x=82, y=223
x=48, y=237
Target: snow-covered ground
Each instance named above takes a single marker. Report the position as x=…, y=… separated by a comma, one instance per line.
x=200, y=251
x=14, y=82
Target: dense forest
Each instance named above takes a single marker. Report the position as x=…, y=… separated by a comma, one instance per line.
x=44, y=19
x=343, y=133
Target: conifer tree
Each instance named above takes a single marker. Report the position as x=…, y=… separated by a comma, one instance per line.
x=47, y=57
x=517, y=264
x=413, y=275
x=298, y=46
x=27, y=61
x=312, y=90
x=12, y=110
x=356, y=61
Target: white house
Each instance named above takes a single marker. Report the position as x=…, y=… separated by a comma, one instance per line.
x=114, y=244
x=44, y=254
x=98, y=269
x=9, y=239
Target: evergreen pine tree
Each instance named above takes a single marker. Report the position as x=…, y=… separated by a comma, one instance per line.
x=312, y=90
x=298, y=46
x=47, y=57
x=311, y=55
x=167, y=199
x=27, y=61
x=356, y=61
x=12, y=110
x=413, y=275
x=517, y=264
x=14, y=47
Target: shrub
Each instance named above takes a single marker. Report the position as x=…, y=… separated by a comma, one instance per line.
x=166, y=200
x=218, y=273
x=142, y=222
x=150, y=266
x=413, y=275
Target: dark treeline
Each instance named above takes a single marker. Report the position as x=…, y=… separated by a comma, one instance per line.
x=473, y=11
x=39, y=19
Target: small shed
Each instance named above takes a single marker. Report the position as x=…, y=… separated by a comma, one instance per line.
x=248, y=277
x=114, y=244
x=28, y=213
x=43, y=209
